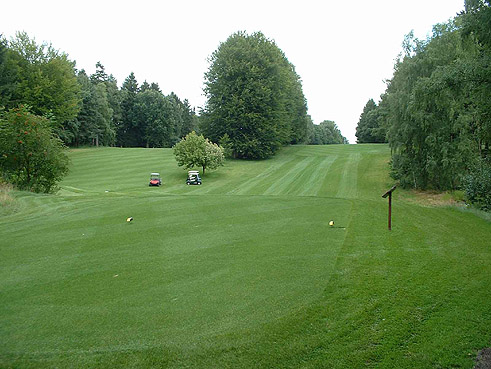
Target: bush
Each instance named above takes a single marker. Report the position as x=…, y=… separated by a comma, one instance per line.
x=477, y=185
x=32, y=157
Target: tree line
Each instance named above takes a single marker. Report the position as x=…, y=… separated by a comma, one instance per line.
x=89, y=109
x=255, y=104
x=255, y=98
x=436, y=110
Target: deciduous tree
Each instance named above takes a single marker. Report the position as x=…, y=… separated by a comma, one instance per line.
x=254, y=96
x=197, y=151
x=32, y=157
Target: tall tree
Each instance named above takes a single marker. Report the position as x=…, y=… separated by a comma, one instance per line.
x=100, y=75
x=438, y=104
x=370, y=128
x=129, y=133
x=8, y=75
x=249, y=86
x=155, y=114
x=46, y=81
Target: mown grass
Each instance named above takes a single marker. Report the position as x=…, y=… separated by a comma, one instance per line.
x=242, y=271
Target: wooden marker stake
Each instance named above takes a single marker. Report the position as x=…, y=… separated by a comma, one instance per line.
x=389, y=194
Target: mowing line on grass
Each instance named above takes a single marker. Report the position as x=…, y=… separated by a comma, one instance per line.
x=280, y=185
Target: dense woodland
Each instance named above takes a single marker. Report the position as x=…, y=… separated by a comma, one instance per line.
x=89, y=109
x=436, y=110
x=92, y=110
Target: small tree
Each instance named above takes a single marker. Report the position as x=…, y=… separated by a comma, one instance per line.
x=32, y=157
x=197, y=151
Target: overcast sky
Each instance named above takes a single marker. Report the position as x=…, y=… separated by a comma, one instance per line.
x=342, y=50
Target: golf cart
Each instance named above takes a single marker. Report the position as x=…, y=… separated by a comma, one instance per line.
x=155, y=179
x=193, y=178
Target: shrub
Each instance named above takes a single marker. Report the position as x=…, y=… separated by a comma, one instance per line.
x=32, y=157
x=477, y=185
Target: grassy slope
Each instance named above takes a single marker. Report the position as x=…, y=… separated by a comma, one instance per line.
x=242, y=271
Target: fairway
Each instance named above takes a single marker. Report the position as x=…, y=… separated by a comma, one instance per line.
x=243, y=271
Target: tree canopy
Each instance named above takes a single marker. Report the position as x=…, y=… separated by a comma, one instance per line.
x=436, y=110
x=41, y=77
x=32, y=155
x=326, y=133
x=370, y=128
x=254, y=96
x=196, y=151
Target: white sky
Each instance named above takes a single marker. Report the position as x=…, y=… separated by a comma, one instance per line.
x=342, y=50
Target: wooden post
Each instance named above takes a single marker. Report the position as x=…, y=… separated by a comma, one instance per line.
x=390, y=211
x=389, y=194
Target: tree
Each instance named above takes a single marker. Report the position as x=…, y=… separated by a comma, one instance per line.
x=8, y=74
x=33, y=157
x=369, y=128
x=254, y=96
x=197, y=151
x=129, y=133
x=46, y=81
x=326, y=133
x=94, y=123
x=438, y=102
x=100, y=75
x=156, y=120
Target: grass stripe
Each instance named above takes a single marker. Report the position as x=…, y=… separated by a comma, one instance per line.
x=281, y=185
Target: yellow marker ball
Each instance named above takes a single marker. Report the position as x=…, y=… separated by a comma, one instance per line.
x=331, y=223
x=129, y=219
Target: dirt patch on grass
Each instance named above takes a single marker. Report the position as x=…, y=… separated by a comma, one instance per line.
x=483, y=360
x=436, y=199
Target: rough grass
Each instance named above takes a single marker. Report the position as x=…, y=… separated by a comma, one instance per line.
x=242, y=271
x=8, y=204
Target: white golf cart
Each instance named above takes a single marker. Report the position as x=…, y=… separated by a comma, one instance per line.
x=193, y=178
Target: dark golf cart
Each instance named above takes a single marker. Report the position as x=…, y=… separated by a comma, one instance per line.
x=155, y=179
x=193, y=178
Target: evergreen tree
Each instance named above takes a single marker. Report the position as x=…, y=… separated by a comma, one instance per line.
x=129, y=133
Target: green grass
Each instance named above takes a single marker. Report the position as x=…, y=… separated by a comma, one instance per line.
x=243, y=271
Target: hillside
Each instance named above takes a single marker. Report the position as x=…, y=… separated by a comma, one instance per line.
x=242, y=271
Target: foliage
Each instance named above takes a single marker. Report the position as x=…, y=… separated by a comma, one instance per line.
x=44, y=79
x=370, y=128
x=197, y=151
x=89, y=110
x=94, y=123
x=32, y=156
x=326, y=133
x=8, y=73
x=254, y=96
x=477, y=185
x=438, y=106
x=151, y=119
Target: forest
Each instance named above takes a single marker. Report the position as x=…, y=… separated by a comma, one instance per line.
x=436, y=110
